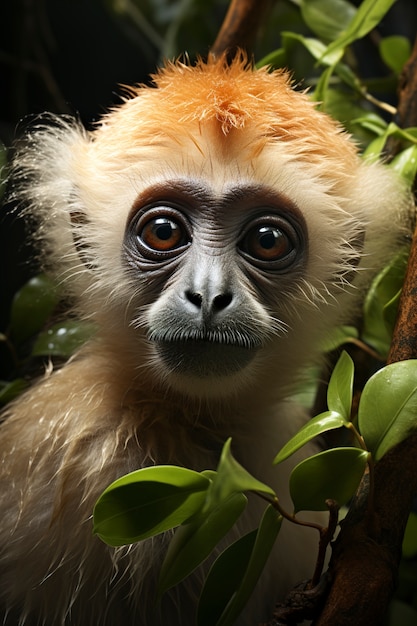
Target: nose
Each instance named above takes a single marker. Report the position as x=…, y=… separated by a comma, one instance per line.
x=207, y=303
x=208, y=290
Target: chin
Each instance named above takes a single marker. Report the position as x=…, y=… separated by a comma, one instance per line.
x=207, y=372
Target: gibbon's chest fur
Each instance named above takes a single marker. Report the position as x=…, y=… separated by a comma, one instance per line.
x=215, y=227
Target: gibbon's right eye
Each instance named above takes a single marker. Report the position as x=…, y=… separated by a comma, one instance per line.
x=162, y=232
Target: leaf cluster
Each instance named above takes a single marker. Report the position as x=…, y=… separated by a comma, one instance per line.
x=330, y=67
x=203, y=506
x=30, y=335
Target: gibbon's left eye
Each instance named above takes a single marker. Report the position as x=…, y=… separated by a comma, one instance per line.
x=271, y=242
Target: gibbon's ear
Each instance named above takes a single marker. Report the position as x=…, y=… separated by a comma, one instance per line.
x=44, y=177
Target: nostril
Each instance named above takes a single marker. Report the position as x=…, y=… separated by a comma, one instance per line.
x=201, y=302
x=194, y=298
x=222, y=301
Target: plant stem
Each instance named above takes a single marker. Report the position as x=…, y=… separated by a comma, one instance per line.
x=326, y=536
x=292, y=518
x=326, y=533
x=358, y=436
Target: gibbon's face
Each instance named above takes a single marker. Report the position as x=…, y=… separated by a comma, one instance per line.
x=215, y=258
x=235, y=204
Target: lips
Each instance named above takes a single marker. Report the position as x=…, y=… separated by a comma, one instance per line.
x=203, y=358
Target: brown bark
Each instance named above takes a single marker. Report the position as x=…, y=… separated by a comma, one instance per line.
x=404, y=341
x=240, y=26
x=407, y=90
x=407, y=102
x=366, y=555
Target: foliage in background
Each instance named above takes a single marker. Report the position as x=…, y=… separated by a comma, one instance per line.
x=32, y=335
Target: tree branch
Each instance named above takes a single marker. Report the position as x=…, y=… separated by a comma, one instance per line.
x=407, y=90
x=240, y=26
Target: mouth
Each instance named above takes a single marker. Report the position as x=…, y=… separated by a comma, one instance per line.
x=204, y=358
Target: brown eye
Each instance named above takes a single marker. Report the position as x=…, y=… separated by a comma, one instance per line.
x=158, y=233
x=267, y=243
x=272, y=242
x=162, y=234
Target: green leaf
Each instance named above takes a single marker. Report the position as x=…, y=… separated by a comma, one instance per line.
x=31, y=307
x=327, y=18
x=374, y=123
x=329, y=420
x=344, y=105
x=233, y=478
x=388, y=406
x=63, y=339
x=195, y=540
x=148, y=502
x=306, y=392
x=405, y=163
x=236, y=572
x=314, y=46
x=10, y=390
x=348, y=76
x=223, y=505
x=339, y=400
x=340, y=336
x=374, y=149
x=391, y=130
x=322, y=89
x=367, y=17
x=384, y=288
x=395, y=51
x=340, y=389
x=333, y=474
x=390, y=311
x=224, y=579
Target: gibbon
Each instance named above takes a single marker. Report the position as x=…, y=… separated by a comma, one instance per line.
x=215, y=227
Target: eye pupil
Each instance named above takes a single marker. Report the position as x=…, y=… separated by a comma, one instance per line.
x=268, y=237
x=268, y=243
x=164, y=229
